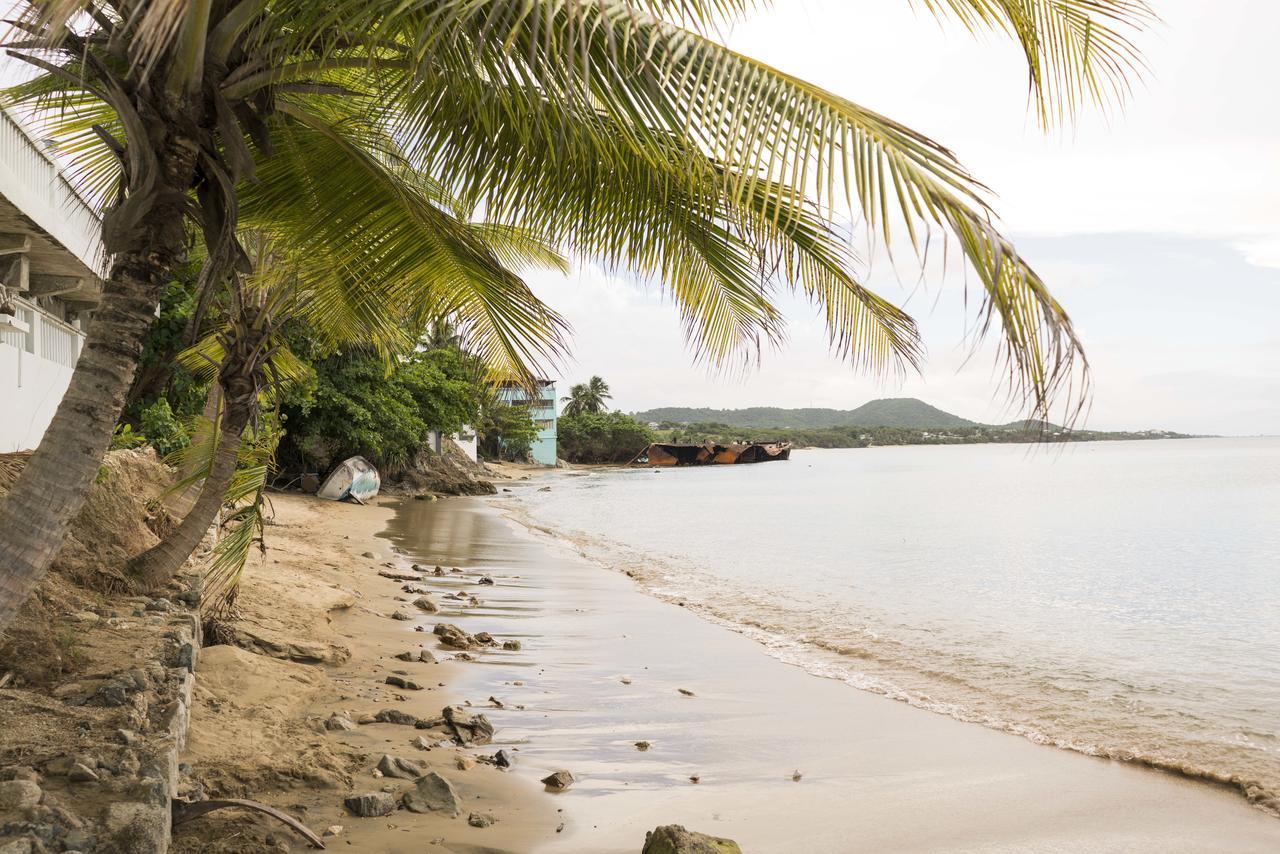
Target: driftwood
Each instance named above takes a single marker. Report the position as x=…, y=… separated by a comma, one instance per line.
x=184, y=811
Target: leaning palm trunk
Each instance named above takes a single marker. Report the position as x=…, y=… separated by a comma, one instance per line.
x=35, y=515
x=245, y=348
x=159, y=563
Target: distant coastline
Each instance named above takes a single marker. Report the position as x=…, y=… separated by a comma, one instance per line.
x=893, y=421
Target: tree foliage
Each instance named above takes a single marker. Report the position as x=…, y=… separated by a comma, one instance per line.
x=601, y=437
x=357, y=406
x=505, y=431
x=587, y=397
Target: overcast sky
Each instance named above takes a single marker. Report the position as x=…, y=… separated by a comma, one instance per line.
x=1158, y=227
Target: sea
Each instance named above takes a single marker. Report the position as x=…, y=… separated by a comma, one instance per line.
x=1121, y=599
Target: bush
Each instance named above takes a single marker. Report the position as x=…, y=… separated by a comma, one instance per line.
x=605, y=437
x=356, y=407
x=126, y=438
x=162, y=428
x=506, y=431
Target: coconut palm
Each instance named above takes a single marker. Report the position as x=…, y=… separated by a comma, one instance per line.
x=246, y=359
x=600, y=126
x=587, y=397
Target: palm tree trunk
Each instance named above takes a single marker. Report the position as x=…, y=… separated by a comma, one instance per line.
x=35, y=515
x=158, y=564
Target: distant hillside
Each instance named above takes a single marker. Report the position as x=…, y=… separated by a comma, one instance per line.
x=888, y=412
x=1032, y=424
x=904, y=412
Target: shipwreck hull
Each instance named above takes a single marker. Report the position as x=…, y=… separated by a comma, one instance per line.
x=667, y=454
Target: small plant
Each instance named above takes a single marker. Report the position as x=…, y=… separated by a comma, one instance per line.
x=68, y=641
x=126, y=438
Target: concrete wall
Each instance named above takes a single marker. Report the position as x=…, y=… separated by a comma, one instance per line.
x=466, y=440
x=35, y=369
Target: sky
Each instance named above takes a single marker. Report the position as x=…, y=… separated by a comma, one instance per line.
x=1157, y=226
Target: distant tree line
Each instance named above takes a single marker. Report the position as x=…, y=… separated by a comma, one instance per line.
x=866, y=437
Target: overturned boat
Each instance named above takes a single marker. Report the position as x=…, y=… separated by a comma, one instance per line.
x=711, y=454
x=354, y=478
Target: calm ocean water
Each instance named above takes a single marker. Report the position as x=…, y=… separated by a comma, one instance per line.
x=1120, y=599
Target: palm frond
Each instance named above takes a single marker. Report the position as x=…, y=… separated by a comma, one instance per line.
x=389, y=250
x=775, y=135
x=1077, y=51
x=247, y=494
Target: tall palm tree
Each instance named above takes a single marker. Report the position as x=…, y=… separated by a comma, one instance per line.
x=587, y=397
x=601, y=126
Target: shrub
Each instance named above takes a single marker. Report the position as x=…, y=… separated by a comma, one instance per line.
x=603, y=437
x=356, y=406
x=162, y=428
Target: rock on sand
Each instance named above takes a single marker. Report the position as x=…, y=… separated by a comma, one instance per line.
x=432, y=793
x=674, y=839
x=371, y=805
x=558, y=781
x=397, y=767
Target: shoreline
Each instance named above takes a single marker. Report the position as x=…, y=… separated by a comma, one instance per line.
x=584, y=659
x=752, y=722
x=783, y=649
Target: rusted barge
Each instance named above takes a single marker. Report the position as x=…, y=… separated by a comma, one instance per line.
x=711, y=454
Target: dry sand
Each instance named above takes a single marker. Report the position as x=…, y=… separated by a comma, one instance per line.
x=601, y=668
x=257, y=724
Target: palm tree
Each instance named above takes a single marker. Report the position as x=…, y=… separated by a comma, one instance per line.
x=600, y=126
x=587, y=397
x=247, y=360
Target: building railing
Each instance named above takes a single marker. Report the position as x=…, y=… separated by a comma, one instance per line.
x=46, y=336
x=59, y=343
x=14, y=337
x=33, y=180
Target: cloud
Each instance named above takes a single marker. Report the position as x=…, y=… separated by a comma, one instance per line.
x=1179, y=331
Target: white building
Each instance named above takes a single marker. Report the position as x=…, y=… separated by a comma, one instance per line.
x=50, y=259
x=466, y=441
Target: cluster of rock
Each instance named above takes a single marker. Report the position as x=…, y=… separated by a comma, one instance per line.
x=455, y=638
x=430, y=793
x=464, y=727
x=121, y=733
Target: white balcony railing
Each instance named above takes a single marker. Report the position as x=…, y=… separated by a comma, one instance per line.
x=36, y=363
x=46, y=336
x=32, y=181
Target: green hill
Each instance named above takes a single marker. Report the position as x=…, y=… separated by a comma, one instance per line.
x=1032, y=425
x=887, y=412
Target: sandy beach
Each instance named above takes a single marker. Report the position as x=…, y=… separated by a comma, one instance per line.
x=601, y=667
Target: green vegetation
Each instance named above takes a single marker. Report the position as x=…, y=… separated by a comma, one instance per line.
x=162, y=428
x=505, y=431
x=587, y=397
x=850, y=436
x=601, y=437
x=356, y=405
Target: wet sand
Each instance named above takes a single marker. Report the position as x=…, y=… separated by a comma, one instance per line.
x=876, y=774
